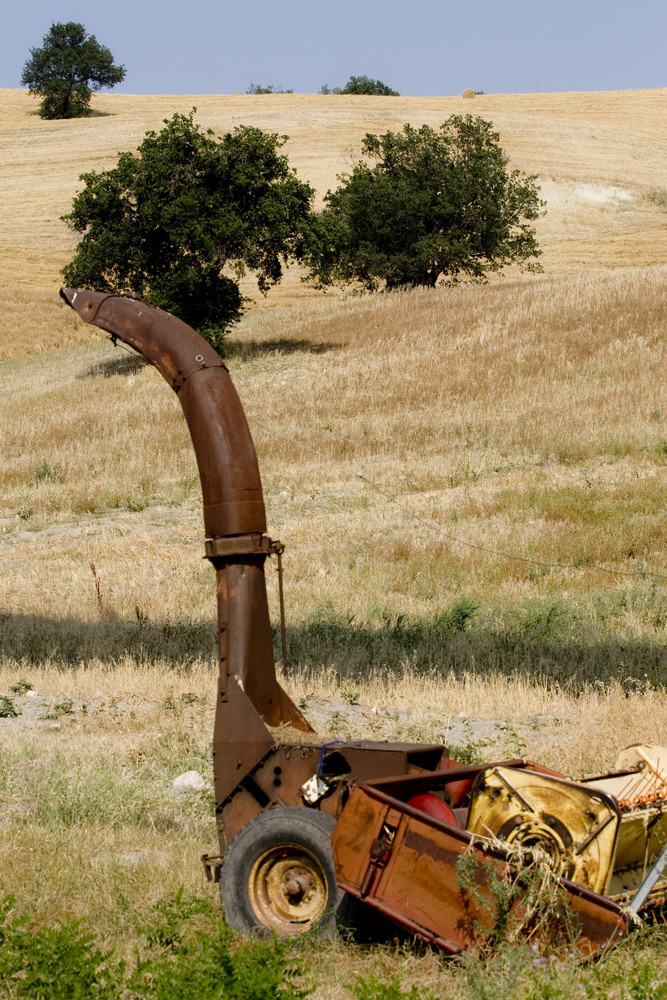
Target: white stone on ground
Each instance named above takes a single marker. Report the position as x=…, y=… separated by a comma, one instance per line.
x=190, y=781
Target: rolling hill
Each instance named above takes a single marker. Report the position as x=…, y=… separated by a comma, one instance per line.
x=600, y=158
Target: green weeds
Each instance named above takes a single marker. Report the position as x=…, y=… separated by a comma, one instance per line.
x=518, y=902
x=46, y=473
x=61, y=708
x=7, y=708
x=21, y=687
x=187, y=952
x=184, y=950
x=574, y=643
x=372, y=988
x=507, y=742
x=657, y=196
x=187, y=698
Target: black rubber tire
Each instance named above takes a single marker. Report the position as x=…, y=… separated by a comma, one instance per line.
x=271, y=852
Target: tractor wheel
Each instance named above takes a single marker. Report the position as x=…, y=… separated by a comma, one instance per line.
x=278, y=875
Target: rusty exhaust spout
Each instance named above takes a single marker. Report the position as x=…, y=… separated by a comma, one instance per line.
x=234, y=517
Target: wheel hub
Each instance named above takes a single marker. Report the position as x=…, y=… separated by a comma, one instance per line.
x=287, y=889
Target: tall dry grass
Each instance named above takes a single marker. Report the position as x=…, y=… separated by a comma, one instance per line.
x=509, y=522
x=528, y=418
x=502, y=557
x=599, y=157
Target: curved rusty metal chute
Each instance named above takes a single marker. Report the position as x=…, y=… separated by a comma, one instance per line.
x=252, y=771
x=234, y=519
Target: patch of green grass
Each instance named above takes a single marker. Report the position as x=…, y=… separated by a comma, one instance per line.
x=556, y=640
x=588, y=503
x=373, y=988
x=187, y=952
x=657, y=196
x=61, y=708
x=7, y=708
x=46, y=473
x=21, y=687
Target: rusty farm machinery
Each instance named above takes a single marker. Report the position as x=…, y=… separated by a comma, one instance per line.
x=309, y=831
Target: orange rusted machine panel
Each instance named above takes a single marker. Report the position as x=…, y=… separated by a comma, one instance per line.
x=402, y=862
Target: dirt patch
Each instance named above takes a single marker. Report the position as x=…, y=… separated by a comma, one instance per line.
x=579, y=193
x=469, y=738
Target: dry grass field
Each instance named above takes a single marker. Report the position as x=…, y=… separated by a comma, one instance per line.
x=495, y=578
x=600, y=158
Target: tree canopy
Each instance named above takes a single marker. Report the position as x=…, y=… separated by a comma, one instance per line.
x=364, y=85
x=67, y=68
x=436, y=202
x=167, y=221
x=361, y=85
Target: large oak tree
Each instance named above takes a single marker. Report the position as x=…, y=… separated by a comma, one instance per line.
x=179, y=221
x=435, y=202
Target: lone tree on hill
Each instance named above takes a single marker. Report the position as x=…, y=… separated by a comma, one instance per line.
x=436, y=202
x=361, y=85
x=68, y=67
x=167, y=221
x=364, y=85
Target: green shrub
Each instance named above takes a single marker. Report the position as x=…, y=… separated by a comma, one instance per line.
x=7, y=709
x=182, y=959
x=46, y=473
x=257, y=88
x=61, y=963
x=365, y=85
x=22, y=686
x=206, y=961
x=373, y=989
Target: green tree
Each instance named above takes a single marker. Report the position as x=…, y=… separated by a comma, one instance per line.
x=364, y=85
x=67, y=68
x=435, y=202
x=167, y=221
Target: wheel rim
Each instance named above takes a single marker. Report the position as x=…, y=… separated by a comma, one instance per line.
x=287, y=889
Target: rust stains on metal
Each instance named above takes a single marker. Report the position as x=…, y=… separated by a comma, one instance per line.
x=234, y=518
x=253, y=773
x=415, y=881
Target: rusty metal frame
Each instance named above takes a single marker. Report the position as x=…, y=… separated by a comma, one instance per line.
x=402, y=863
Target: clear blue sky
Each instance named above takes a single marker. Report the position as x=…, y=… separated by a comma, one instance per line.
x=422, y=47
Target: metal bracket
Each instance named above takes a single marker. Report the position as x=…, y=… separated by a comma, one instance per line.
x=654, y=874
x=380, y=852
x=212, y=864
x=239, y=545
